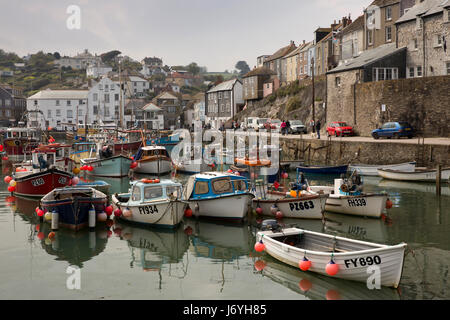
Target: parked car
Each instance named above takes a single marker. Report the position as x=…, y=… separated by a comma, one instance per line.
x=250, y=123
x=296, y=126
x=339, y=129
x=272, y=124
x=394, y=130
x=261, y=123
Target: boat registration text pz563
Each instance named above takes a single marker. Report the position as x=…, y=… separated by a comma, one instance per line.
x=148, y=210
x=297, y=206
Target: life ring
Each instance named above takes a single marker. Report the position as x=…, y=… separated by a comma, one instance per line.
x=17, y=142
x=344, y=188
x=150, y=181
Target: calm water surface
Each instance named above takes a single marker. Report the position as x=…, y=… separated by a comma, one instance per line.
x=205, y=260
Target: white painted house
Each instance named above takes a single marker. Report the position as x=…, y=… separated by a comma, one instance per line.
x=153, y=117
x=135, y=87
x=61, y=109
x=104, y=102
x=95, y=71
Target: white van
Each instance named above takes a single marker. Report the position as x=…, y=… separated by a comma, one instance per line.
x=251, y=123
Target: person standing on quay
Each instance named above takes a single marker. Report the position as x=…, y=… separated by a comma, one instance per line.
x=318, y=129
x=283, y=128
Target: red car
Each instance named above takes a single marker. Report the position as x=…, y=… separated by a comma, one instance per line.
x=339, y=129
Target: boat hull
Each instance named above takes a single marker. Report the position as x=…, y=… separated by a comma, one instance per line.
x=417, y=175
x=368, y=170
x=308, y=207
x=323, y=170
x=127, y=146
x=388, y=260
x=165, y=214
x=151, y=166
x=116, y=167
x=225, y=207
x=40, y=183
x=74, y=213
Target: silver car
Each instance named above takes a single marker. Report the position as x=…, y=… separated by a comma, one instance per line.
x=297, y=127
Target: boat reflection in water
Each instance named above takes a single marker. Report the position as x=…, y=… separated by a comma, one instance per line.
x=73, y=247
x=152, y=249
x=318, y=287
x=219, y=240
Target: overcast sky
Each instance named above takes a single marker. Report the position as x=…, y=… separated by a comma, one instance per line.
x=213, y=33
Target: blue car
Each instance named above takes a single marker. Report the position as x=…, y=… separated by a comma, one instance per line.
x=394, y=130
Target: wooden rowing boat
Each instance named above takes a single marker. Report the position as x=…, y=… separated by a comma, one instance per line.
x=372, y=170
x=356, y=260
x=416, y=175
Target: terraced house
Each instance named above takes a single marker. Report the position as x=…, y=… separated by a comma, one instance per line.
x=277, y=64
x=224, y=101
x=253, y=84
x=12, y=105
x=424, y=30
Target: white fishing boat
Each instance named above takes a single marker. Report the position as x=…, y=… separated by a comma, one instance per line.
x=305, y=206
x=334, y=256
x=372, y=170
x=347, y=197
x=218, y=195
x=153, y=160
x=151, y=202
x=416, y=175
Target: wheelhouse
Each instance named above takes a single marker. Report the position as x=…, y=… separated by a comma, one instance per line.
x=212, y=185
x=25, y=133
x=142, y=192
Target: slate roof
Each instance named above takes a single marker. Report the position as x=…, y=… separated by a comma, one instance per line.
x=282, y=52
x=224, y=86
x=424, y=8
x=367, y=57
x=60, y=94
x=261, y=71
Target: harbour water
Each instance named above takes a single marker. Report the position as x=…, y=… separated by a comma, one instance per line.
x=210, y=260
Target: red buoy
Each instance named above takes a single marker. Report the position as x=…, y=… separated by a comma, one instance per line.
x=188, y=212
x=260, y=246
x=304, y=264
x=109, y=210
x=389, y=204
x=117, y=212
x=332, y=268
x=259, y=210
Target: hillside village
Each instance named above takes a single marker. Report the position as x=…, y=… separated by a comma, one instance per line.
x=351, y=70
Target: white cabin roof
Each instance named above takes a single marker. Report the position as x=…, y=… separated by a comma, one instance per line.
x=147, y=148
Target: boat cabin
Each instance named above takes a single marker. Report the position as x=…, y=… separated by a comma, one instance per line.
x=24, y=133
x=152, y=191
x=152, y=152
x=53, y=155
x=213, y=185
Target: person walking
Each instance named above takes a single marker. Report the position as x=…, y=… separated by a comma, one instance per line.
x=318, y=129
x=288, y=127
x=283, y=128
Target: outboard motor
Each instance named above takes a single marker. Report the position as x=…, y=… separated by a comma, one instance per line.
x=270, y=224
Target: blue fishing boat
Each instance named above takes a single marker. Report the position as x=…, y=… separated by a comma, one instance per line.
x=169, y=142
x=218, y=195
x=323, y=169
x=97, y=184
x=74, y=207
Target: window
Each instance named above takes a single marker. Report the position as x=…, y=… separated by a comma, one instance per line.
x=201, y=187
x=116, y=97
x=222, y=185
x=80, y=102
x=448, y=67
x=106, y=112
x=68, y=102
x=239, y=185
x=58, y=112
x=152, y=193
x=337, y=82
x=100, y=86
x=106, y=98
x=136, y=194
x=380, y=74
x=172, y=110
x=49, y=113
x=411, y=72
x=388, y=13
x=439, y=40
x=388, y=34
x=80, y=112
x=69, y=114
x=106, y=88
x=95, y=110
x=95, y=96
x=7, y=102
x=369, y=37
x=35, y=102
x=419, y=71
x=416, y=45
x=57, y=102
